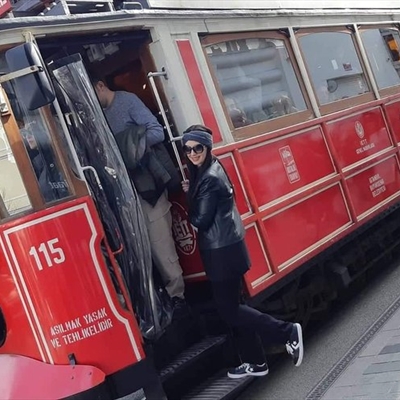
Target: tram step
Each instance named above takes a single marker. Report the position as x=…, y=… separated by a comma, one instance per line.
x=219, y=387
x=191, y=355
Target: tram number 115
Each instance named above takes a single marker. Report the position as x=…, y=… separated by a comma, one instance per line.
x=52, y=254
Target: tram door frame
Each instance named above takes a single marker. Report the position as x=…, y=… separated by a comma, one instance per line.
x=77, y=185
x=79, y=193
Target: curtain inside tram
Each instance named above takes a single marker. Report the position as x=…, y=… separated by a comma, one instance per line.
x=116, y=199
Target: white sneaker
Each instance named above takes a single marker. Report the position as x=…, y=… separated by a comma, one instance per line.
x=294, y=345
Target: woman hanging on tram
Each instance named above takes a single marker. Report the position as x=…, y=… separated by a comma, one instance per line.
x=212, y=210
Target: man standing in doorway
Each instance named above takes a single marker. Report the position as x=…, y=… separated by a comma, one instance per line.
x=123, y=109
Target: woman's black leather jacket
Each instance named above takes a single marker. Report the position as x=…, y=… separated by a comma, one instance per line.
x=213, y=210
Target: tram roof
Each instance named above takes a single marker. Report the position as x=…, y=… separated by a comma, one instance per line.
x=147, y=18
x=270, y=4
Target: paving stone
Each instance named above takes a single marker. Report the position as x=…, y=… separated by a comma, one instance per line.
x=386, y=377
x=394, y=340
x=393, y=323
x=391, y=396
x=374, y=391
x=372, y=373
x=354, y=373
x=377, y=368
x=395, y=388
x=379, y=341
x=391, y=348
x=384, y=357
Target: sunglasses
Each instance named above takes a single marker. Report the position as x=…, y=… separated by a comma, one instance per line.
x=198, y=149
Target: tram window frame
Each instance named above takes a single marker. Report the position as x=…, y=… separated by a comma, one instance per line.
x=24, y=166
x=76, y=187
x=391, y=90
x=344, y=103
x=14, y=198
x=270, y=125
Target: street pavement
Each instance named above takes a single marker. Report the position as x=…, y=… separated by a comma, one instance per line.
x=371, y=368
x=354, y=354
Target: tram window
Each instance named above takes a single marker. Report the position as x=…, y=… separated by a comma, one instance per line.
x=52, y=182
x=333, y=65
x=383, y=50
x=256, y=78
x=37, y=139
x=13, y=196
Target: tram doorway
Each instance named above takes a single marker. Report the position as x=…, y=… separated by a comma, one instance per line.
x=121, y=59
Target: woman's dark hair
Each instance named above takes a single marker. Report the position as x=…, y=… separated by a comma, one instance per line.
x=196, y=172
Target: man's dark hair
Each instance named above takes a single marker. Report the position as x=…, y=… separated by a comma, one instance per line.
x=95, y=79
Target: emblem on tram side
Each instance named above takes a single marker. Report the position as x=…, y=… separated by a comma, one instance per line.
x=182, y=230
x=359, y=129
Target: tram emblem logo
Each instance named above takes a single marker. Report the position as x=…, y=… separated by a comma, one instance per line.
x=359, y=129
x=182, y=230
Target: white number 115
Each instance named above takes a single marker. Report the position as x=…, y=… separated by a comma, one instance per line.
x=51, y=253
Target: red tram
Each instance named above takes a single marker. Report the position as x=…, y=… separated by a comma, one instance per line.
x=304, y=104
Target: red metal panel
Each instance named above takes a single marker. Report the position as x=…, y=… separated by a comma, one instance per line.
x=301, y=226
x=278, y=168
x=5, y=7
x=393, y=118
x=260, y=268
x=57, y=252
x=374, y=185
x=199, y=90
x=13, y=310
x=358, y=136
x=25, y=379
x=230, y=167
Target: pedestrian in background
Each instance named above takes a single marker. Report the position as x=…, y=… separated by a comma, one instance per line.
x=212, y=210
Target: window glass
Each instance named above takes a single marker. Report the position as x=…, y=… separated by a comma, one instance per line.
x=382, y=48
x=12, y=190
x=256, y=78
x=38, y=143
x=333, y=66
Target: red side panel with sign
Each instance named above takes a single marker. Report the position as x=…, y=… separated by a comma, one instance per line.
x=358, y=136
x=278, y=168
x=5, y=7
x=371, y=187
x=62, y=287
